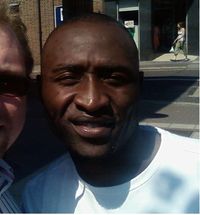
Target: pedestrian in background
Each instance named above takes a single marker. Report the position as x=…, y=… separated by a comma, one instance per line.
x=15, y=66
x=156, y=38
x=180, y=41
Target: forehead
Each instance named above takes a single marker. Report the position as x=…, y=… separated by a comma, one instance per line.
x=90, y=31
x=7, y=37
x=94, y=39
x=11, y=57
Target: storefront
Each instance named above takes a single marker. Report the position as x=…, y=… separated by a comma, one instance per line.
x=153, y=23
x=165, y=16
x=126, y=12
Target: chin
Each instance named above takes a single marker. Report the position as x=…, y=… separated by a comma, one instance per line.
x=89, y=151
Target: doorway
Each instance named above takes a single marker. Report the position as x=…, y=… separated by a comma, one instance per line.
x=130, y=20
x=165, y=16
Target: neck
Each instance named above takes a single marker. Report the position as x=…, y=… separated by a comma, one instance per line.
x=121, y=166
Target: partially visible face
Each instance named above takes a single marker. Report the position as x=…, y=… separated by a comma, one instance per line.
x=90, y=87
x=12, y=78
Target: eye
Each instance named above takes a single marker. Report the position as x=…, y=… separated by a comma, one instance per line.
x=116, y=78
x=68, y=78
x=14, y=86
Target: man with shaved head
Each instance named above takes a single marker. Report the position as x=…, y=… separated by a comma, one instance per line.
x=90, y=89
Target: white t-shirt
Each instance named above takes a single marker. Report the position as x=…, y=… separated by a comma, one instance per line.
x=168, y=185
x=181, y=35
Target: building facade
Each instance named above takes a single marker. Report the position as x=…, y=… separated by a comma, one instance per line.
x=39, y=17
x=152, y=23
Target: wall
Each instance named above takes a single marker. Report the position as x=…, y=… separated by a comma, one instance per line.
x=98, y=6
x=193, y=28
x=29, y=15
x=38, y=25
x=75, y=7
x=145, y=44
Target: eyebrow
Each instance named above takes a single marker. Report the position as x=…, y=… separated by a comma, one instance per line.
x=116, y=68
x=102, y=68
x=68, y=67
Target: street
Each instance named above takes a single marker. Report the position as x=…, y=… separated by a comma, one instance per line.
x=170, y=100
x=171, y=104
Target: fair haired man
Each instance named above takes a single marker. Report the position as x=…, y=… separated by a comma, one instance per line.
x=15, y=66
x=90, y=89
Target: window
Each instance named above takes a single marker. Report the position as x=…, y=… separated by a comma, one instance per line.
x=14, y=8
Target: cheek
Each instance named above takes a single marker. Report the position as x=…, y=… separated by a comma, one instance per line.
x=50, y=96
x=124, y=99
x=55, y=99
x=16, y=109
x=125, y=107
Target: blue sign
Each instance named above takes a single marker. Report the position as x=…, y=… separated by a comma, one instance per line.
x=58, y=14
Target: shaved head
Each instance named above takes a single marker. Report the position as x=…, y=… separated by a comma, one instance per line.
x=97, y=20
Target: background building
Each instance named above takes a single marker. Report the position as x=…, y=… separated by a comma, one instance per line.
x=40, y=19
x=152, y=23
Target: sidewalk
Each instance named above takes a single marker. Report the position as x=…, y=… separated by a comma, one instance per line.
x=168, y=56
x=165, y=62
x=178, y=117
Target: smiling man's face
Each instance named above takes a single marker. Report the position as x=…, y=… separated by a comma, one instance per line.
x=90, y=84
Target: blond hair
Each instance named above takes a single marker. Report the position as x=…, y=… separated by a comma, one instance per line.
x=18, y=27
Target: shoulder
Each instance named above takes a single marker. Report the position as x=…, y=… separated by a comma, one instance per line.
x=179, y=154
x=46, y=183
x=7, y=204
x=57, y=167
x=182, y=30
x=173, y=142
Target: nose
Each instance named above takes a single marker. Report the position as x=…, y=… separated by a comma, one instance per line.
x=91, y=96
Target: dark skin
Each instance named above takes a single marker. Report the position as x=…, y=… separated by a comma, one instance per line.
x=90, y=88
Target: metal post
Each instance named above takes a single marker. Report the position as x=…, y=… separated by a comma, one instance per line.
x=40, y=28
x=53, y=13
x=117, y=8
x=186, y=32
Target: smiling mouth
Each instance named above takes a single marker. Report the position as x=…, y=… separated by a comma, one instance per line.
x=93, y=129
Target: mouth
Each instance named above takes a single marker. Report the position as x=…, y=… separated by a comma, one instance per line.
x=93, y=128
